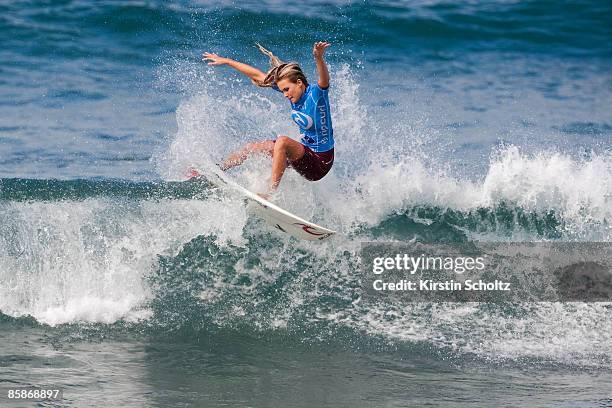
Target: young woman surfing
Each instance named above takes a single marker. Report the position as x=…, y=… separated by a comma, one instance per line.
x=313, y=155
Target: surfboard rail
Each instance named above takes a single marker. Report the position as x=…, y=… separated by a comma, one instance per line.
x=272, y=214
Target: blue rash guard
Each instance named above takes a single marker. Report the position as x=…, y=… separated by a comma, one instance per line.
x=311, y=113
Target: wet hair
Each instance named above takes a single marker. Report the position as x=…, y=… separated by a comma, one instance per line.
x=280, y=70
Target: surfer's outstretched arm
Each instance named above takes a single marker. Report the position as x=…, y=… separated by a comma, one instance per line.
x=252, y=72
x=318, y=50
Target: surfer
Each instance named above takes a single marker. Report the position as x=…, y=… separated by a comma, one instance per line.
x=313, y=155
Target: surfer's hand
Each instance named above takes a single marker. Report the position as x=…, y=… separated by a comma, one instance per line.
x=319, y=49
x=214, y=59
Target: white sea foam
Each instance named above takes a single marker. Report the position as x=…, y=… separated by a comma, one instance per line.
x=579, y=191
x=570, y=333
x=68, y=261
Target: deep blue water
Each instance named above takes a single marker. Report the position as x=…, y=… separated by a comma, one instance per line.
x=454, y=122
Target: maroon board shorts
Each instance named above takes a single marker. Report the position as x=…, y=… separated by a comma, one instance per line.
x=313, y=166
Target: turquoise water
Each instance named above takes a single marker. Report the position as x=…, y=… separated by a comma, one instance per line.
x=454, y=122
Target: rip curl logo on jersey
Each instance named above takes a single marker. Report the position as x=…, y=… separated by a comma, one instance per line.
x=304, y=121
x=308, y=140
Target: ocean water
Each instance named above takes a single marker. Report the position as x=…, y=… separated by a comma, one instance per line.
x=454, y=122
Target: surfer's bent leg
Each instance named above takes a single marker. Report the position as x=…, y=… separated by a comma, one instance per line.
x=237, y=158
x=285, y=150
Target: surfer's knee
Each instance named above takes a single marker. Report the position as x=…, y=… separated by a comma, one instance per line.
x=281, y=143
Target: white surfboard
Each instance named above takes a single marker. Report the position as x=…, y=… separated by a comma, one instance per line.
x=275, y=216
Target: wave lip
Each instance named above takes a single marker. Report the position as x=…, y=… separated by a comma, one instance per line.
x=546, y=190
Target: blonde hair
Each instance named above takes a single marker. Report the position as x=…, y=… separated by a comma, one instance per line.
x=280, y=70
